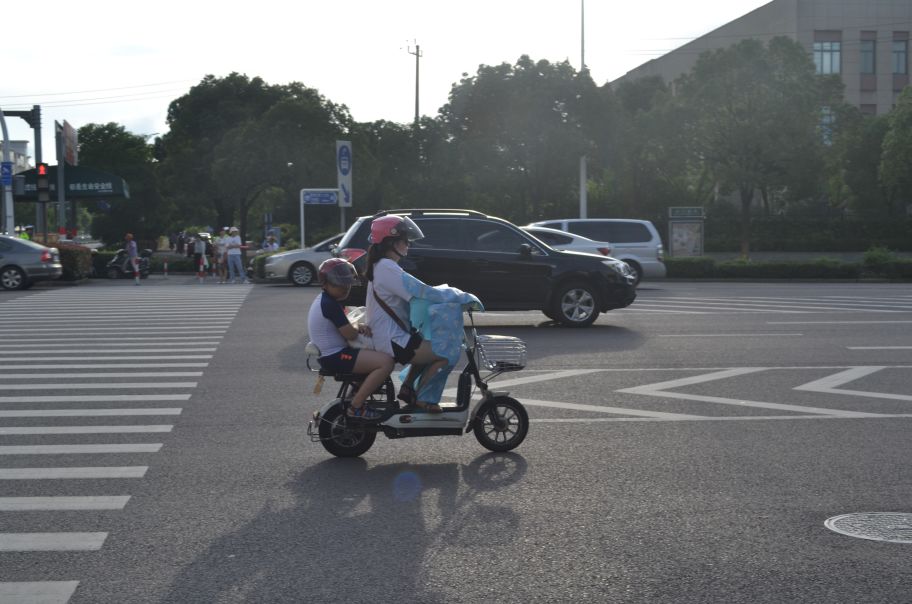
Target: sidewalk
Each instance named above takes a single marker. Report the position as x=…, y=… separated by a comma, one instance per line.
x=797, y=256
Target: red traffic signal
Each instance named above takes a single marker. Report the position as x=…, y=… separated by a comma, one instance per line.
x=43, y=183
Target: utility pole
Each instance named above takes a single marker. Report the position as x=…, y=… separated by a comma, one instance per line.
x=582, y=35
x=9, y=220
x=418, y=56
x=583, y=178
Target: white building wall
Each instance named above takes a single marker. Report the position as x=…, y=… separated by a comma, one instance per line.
x=799, y=20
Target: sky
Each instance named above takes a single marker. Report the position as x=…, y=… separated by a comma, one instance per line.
x=100, y=61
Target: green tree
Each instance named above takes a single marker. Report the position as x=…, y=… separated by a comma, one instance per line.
x=853, y=162
x=647, y=168
x=234, y=139
x=516, y=133
x=752, y=114
x=109, y=147
x=896, y=159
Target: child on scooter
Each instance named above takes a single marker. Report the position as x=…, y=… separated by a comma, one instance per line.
x=330, y=330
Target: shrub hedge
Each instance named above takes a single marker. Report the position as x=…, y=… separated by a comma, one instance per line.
x=822, y=268
x=76, y=261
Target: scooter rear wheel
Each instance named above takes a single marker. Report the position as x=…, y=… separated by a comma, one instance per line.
x=502, y=424
x=341, y=439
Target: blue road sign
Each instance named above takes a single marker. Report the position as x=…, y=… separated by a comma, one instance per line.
x=6, y=174
x=320, y=197
x=344, y=170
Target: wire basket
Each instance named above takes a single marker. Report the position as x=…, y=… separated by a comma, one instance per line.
x=501, y=353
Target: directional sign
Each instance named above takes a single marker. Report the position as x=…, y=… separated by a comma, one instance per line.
x=320, y=197
x=6, y=174
x=344, y=172
x=685, y=212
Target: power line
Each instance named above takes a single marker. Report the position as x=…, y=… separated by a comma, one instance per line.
x=43, y=94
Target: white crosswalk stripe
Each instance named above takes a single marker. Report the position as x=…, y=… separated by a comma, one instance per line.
x=85, y=350
x=650, y=303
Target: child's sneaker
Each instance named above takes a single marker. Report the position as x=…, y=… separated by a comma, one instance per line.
x=363, y=413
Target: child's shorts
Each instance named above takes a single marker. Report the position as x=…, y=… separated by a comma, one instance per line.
x=340, y=362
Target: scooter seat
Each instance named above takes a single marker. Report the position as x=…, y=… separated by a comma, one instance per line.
x=343, y=377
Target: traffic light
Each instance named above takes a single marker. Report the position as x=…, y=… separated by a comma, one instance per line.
x=43, y=183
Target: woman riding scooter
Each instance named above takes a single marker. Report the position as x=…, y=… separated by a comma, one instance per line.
x=388, y=307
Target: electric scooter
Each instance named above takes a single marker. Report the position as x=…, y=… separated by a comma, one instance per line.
x=499, y=422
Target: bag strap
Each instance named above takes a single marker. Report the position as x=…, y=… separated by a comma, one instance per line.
x=390, y=312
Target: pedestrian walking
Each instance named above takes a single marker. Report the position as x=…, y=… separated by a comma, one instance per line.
x=221, y=251
x=132, y=256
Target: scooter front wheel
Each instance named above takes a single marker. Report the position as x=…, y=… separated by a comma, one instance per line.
x=341, y=439
x=502, y=424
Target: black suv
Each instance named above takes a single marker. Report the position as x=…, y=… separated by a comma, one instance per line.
x=507, y=268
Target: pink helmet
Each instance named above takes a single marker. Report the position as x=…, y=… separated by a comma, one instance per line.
x=337, y=271
x=394, y=226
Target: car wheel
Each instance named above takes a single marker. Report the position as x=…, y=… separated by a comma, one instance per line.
x=113, y=273
x=636, y=269
x=301, y=274
x=12, y=277
x=575, y=304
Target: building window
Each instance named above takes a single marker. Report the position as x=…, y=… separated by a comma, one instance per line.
x=827, y=120
x=827, y=57
x=868, y=57
x=900, y=57
x=867, y=109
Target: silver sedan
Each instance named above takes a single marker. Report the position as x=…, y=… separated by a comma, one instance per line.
x=23, y=262
x=300, y=266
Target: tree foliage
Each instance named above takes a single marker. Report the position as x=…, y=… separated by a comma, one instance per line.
x=753, y=113
x=896, y=159
x=109, y=147
x=752, y=119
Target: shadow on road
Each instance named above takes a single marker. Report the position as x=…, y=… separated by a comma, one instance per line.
x=358, y=533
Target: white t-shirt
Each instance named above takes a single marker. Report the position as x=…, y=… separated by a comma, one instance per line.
x=233, y=251
x=323, y=322
x=221, y=245
x=388, y=285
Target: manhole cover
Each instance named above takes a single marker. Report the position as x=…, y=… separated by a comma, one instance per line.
x=877, y=526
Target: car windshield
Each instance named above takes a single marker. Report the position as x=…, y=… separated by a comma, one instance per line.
x=356, y=235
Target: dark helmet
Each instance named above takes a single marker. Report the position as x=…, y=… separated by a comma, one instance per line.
x=337, y=271
x=394, y=226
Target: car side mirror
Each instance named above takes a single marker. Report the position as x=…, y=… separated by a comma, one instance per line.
x=525, y=250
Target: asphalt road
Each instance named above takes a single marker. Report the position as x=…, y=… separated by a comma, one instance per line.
x=687, y=449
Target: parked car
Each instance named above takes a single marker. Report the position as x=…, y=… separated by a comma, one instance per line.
x=501, y=264
x=23, y=262
x=568, y=242
x=299, y=267
x=636, y=242
x=119, y=266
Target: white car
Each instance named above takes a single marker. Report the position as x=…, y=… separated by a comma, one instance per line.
x=635, y=242
x=300, y=266
x=562, y=240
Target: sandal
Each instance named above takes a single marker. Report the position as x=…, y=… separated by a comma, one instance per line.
x=429, y=407
x=363, y=413
x=407, y=395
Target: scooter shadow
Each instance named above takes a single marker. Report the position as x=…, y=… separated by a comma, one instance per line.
x=359, y=533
